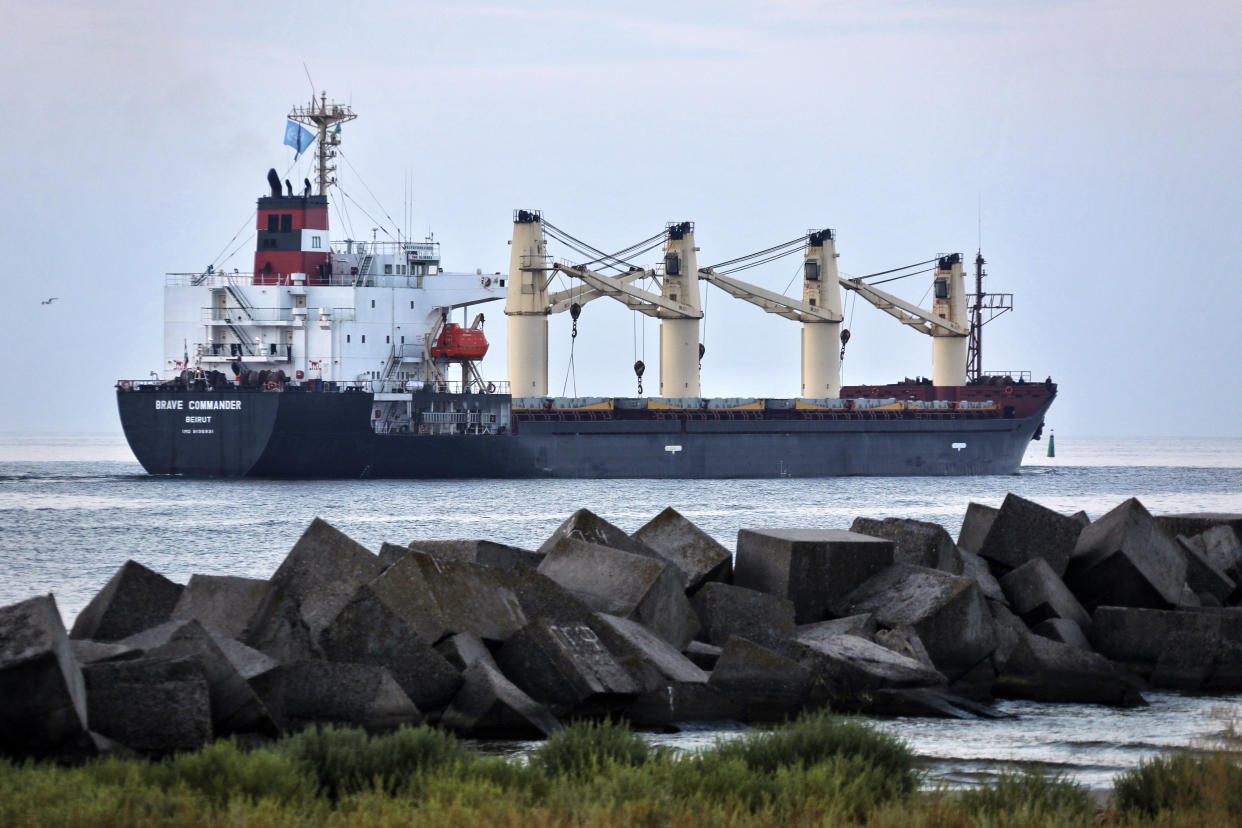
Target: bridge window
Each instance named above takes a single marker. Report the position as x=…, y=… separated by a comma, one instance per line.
x=387, y=270
x=286, y=222
x=273, y=223
x=364, y=338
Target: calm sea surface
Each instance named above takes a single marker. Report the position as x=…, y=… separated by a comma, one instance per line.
x=74, y=507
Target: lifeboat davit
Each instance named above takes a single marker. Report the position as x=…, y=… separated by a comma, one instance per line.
x=456, y=342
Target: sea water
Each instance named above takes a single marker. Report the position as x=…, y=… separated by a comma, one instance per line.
x=73, y=508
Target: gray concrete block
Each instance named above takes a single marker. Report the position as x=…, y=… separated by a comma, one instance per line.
x=247, y=661
x=585, y=525
x=904, y=640
x=42, y=695
x=813, y=568
x=644, y=589
x=1022, y=530
x=1185, y=662
x=977, y=568
x=485, y=552
x=362, y=695
x=1139, y=638
x=1044, y=670
x=851, y=667
x=1124, y=559
x=464, y=649
x=1063, y=630
x=322, y=572
x=862, y=625
x=368, y=631
x=927, y=702
x=1036, y=594
x=134, y=599
x=914, y=542
x=566, y=668
x=279, y=630
x=488, y=705
x=766, y=685
x=1223, y=550
x=975, y=527
x=223, y=602
x=1194, y=523
x=1010, y=631
x=698, y=557
x=949, y=613
x=664, y=657
x=1201, y=574
x=154, y=706
x=235, y=707
x=725, y=610
x=468, y=597
x=86, y=651
x=703, y=655
x=681, y=702
x=1082, y=518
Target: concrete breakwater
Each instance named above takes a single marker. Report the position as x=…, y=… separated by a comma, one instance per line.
x=662, y=626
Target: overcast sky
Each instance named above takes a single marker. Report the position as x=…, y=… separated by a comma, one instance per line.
x=1101, y=140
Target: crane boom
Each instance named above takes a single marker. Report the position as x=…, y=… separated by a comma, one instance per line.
x=634, y=298
x=770, y=301
x=907, y=313
x=560, y=301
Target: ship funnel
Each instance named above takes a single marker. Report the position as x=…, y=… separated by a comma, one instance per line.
x=273, y=181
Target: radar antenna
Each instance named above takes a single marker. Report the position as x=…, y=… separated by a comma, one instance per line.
x=323, y=116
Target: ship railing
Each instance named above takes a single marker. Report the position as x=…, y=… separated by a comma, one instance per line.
x=420, y=251
x=251, y=316
x=1010, y=374
x=215, y=279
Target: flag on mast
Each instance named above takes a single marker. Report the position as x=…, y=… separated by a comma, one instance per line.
x=298, y=137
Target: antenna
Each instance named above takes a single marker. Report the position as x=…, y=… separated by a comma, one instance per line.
x=308, y=79
x=321, y=115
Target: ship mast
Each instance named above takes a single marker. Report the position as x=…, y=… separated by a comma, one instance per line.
x=323, y=116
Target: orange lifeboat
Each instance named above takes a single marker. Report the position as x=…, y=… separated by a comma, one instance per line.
x=456, y=342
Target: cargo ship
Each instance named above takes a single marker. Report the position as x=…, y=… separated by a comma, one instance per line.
x=342, y=359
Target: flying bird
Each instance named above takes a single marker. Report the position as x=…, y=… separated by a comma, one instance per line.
x=49, y=301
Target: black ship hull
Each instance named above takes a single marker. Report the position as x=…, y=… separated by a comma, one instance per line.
x=252, y=433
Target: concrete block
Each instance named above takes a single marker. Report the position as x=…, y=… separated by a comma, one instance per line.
x=698, y=557
x=585, y=525
x=813, y=568
x=1202, y=575
x=464, y=649
x=644, y=589
x=222, y=602
x=483, y=552
x=235, y=707
x=322, y=572
x=368, y=631
x=1124, y=559
x=566, y=668
x=1180, y=642
x=905, y=641
x=726, y=610
x=279, y=630
x=1063, y=630
x=948, y=612
x=1082, y=518
x=42, y=695
x=656, y=651
x=541, y=597
x=1185, y=662
x=134, y=599
x=1035, y=593
x=1010, y=630
x=703, y=655
x=488, y=705
x=362, y=695
x=470, y=597
x=977, y=568
x=765, y=684
x=927, y=702
x=86, y=651
x=1193, y=523
x=1223, y=550
x=154, y=706
x=862, y=625
x=851, y=667
x=681, y=702
x=914, y=542
x=247, y=661
x=975, y=527
x=1022, y=530
x=1044, y=670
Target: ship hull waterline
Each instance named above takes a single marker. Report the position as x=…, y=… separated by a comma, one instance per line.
x=310, y=436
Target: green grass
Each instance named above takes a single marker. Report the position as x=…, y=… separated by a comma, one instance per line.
x=819, y=770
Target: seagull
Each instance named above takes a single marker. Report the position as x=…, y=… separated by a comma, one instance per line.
x=49, y=301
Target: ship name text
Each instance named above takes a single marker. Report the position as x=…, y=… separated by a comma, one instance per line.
x=198, y=405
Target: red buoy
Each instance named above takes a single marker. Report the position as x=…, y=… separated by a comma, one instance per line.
x=456, y=342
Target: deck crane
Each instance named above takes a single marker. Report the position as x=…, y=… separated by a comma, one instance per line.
x=819, y=311
x=945, y=323
x=528, y=304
